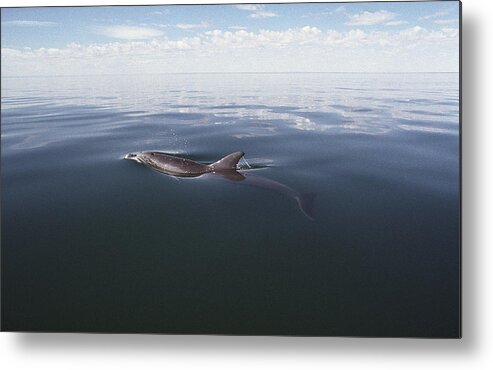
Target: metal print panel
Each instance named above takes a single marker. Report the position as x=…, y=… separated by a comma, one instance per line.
x=247, y=169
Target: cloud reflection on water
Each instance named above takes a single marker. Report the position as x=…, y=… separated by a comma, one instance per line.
x=250, y=107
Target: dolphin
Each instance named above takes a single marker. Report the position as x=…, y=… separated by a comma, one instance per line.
x=181, y=167
x=226, y=167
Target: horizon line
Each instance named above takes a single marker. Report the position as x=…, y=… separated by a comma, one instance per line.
x=197, y=73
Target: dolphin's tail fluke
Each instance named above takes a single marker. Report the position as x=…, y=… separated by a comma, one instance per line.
x=306, y=202
x=227, y=163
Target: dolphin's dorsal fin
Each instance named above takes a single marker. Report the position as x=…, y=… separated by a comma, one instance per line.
x=227, y=163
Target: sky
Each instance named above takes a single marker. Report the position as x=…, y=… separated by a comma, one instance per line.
x=323, y=37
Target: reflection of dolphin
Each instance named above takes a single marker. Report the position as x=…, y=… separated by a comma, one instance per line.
x=226, y=168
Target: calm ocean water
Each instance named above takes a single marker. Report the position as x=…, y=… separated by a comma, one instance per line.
x=91, y=242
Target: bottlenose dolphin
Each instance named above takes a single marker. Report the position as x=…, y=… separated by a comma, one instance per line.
x=226, y=167
x=181, y=167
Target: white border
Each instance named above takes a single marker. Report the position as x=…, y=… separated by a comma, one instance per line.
x=474, y=351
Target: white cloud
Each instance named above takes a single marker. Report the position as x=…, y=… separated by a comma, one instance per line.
x=160, y=12
x=307, y=49
x=370, y=18
x=249, y=7
x=396, y=23
x=241, y=39
x=340, y=9
x=128, y=32
x=184, y=26
x=26, y=23
x=445, y=21
x=189, y=26
x=437, y=14
x=256, y=11
x=262, y=14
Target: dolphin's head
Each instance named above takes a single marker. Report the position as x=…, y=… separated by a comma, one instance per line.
x=138, y=157
x=147, y=158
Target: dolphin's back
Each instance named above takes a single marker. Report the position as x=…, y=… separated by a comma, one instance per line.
x=176, y=166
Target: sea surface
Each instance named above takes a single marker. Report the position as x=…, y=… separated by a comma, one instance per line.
x=94, y=243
